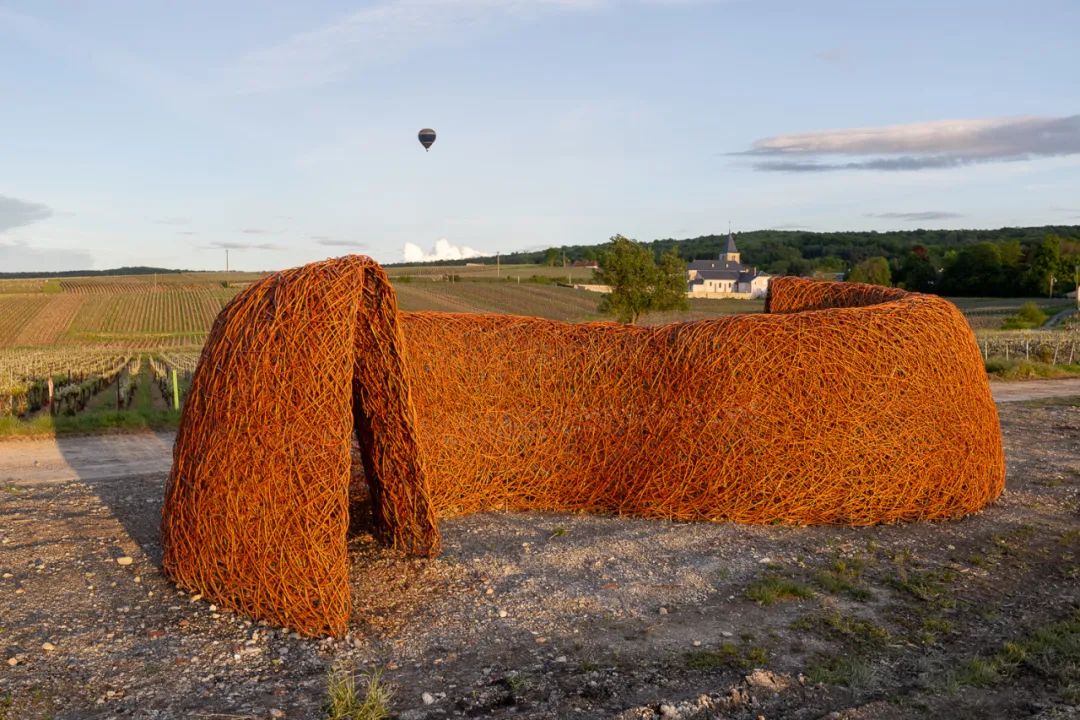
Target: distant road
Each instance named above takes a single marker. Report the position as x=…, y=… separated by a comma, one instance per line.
x=105, y=458
x=1059, y=317
x=1035, y=389
x=87, y=458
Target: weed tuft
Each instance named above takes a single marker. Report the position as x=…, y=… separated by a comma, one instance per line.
x=343, y=703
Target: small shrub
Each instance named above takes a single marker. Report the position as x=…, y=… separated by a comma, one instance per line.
x=1028, y=316
x=344, y=704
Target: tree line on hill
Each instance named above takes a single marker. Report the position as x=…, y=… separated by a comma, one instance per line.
x=126, y=270
x=1008, y=262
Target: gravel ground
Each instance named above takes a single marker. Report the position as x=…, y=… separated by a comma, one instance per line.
x=554, y=615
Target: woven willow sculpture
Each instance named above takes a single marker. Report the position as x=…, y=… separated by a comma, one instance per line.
x=844, y=403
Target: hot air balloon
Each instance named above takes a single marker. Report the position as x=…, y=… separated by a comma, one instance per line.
x=427, y=137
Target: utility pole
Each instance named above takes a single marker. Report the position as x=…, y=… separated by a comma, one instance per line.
x=226, y=259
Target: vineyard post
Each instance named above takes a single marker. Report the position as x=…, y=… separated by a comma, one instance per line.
x=175, y=391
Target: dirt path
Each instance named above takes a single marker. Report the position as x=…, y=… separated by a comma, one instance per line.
x=87, y=458
x=1023, y=390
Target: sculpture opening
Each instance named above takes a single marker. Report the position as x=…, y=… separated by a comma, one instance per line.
x=842, y=403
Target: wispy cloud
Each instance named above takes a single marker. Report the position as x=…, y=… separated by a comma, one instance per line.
x=915, y=216
x=331, y=242
x=19, y=256
x=186, y=232
x=229, y=245
x=16, y=213
x=443, y=250
x=835, y=55
x=377, y=34
x=918, y=146
x=256, y=231
x=173, y=221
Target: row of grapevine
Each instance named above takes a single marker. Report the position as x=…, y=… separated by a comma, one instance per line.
x=1049, y=346
x=59, y=379
x=63, y=380
x=172, y=372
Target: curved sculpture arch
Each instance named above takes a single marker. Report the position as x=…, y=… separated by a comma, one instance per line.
x=842, y=403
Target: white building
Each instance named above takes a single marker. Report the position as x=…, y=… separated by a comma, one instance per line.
x=726, y=277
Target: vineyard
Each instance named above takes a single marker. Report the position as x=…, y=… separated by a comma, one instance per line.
x=111, y=344
x=85, y=387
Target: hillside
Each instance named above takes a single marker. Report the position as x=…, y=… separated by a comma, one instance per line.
x=139, y=312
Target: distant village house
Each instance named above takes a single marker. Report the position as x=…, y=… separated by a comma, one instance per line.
x=726, y=277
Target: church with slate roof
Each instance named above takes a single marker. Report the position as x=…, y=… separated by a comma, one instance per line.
x=726, y=277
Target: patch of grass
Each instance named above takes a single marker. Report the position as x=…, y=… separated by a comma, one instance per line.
x=979, y=673
x=343, y=703
x=852, y=631
x=843, y=576
x=847, y=670
x=1028, y=369
x=931, y=586
x=933, y=628
x=1051, y=652
x=772, y=589
x=516, y=682
x=727, y=656
x=91, y=422
x=1070, y=538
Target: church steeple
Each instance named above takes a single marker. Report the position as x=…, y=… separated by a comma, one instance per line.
x=731, y=253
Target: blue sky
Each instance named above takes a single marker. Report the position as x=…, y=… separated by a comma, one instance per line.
x=160, y=133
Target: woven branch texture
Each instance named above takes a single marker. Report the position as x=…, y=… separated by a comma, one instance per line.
x=844, y=403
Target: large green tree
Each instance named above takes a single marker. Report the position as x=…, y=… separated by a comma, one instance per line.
x=873, y=270
x=917, y=271
x=638, y=283
x=1045, y=264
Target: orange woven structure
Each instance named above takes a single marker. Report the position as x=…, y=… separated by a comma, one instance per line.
x=843, y=403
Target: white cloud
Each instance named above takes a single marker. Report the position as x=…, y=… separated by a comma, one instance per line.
x=915, y=146
x=443, y=250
